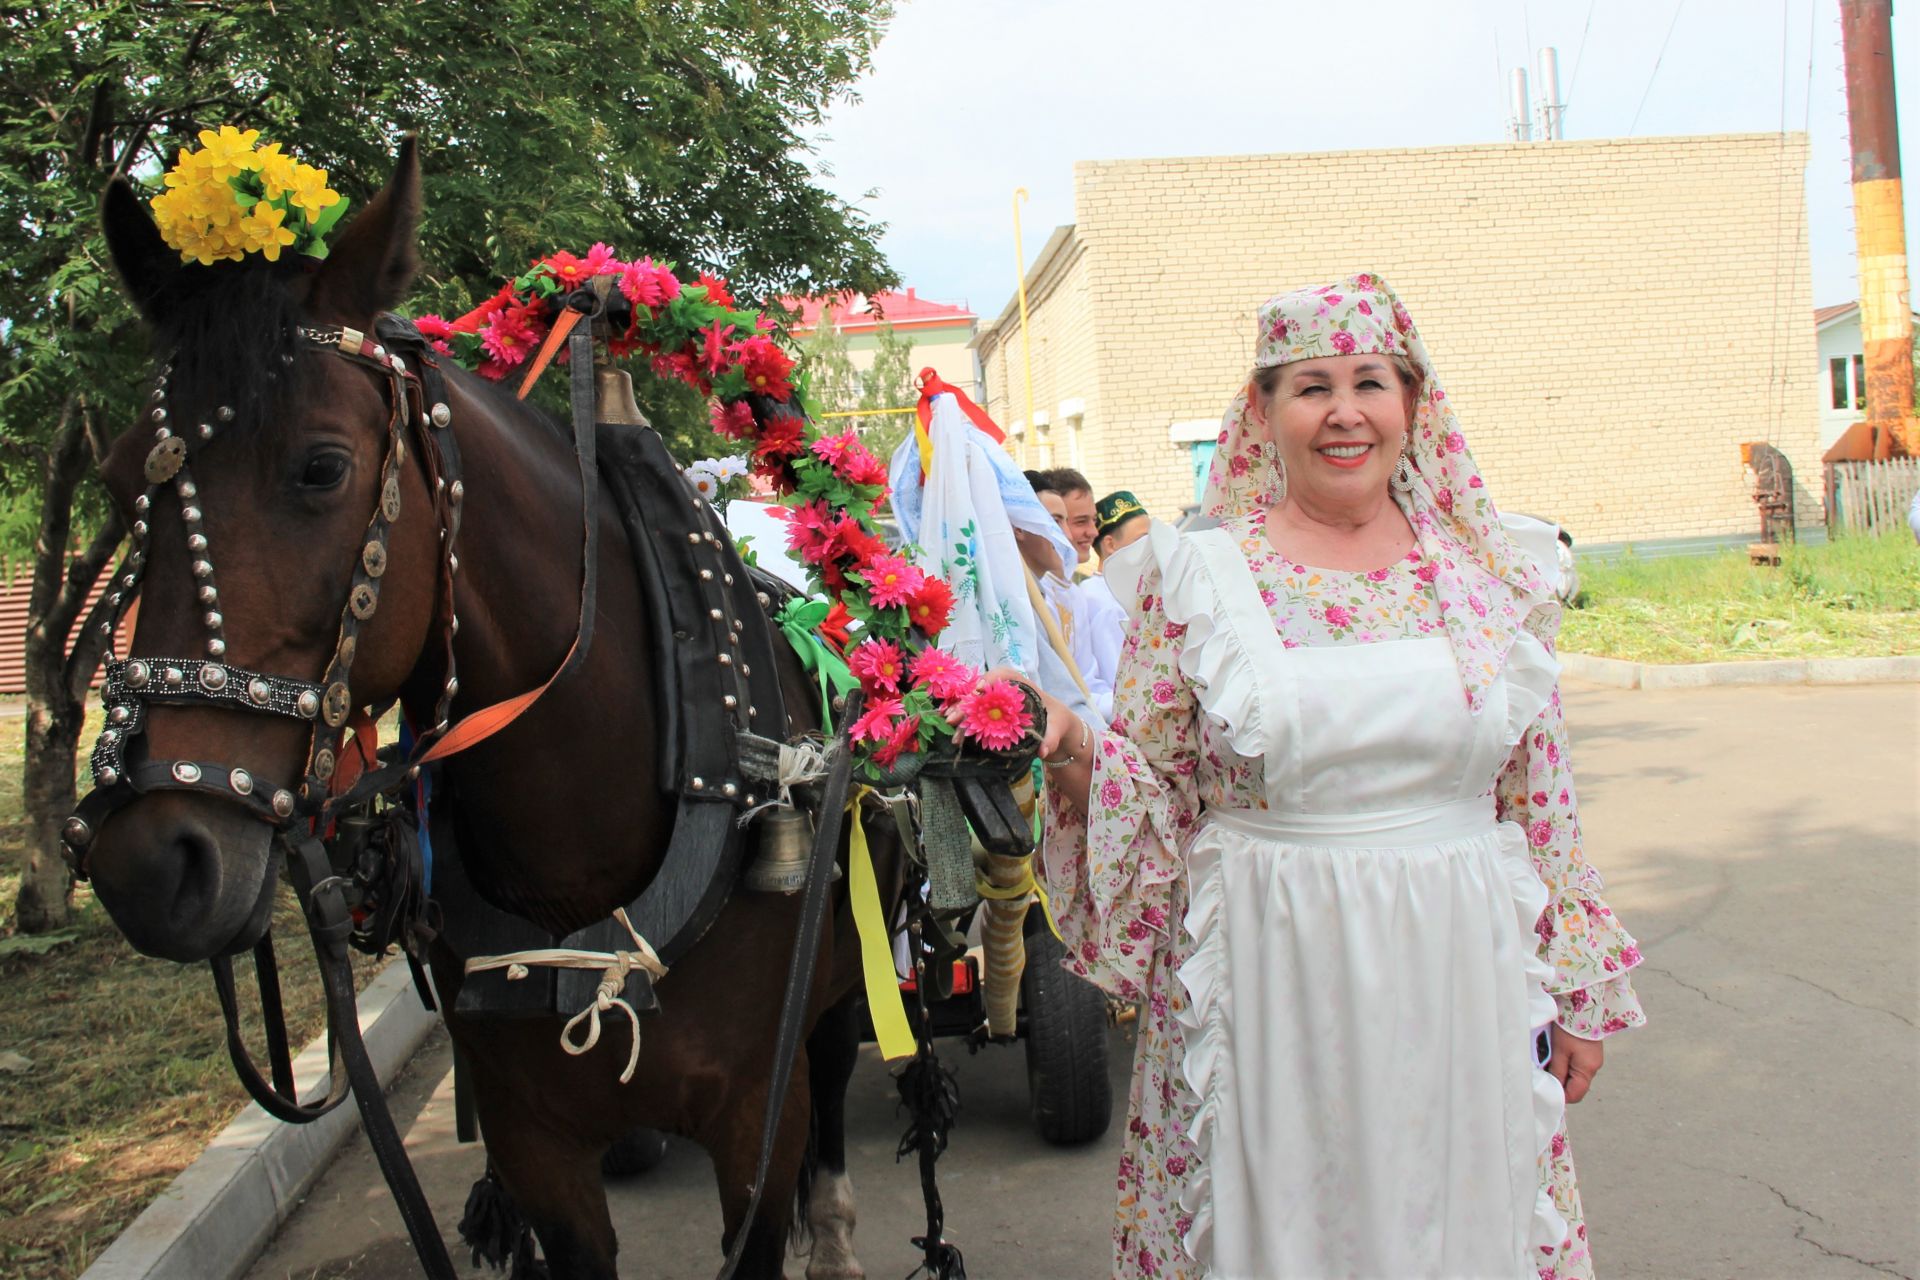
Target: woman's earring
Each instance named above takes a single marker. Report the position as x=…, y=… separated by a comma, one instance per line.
x=1279, y=479
x=1402, y=477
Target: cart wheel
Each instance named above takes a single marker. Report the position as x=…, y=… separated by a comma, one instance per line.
x=634, y=1154
x=1066, y=1026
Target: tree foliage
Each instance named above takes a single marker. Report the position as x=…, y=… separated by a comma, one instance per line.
x=673, y=129
x=677, y=130
x=837, y=385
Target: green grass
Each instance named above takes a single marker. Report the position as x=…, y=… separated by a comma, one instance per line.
x=127, y=1074
x=1853, y=597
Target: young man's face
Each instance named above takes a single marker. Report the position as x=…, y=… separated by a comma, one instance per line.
x=1080, y=523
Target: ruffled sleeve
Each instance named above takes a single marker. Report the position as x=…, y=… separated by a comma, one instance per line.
x=1113, y=875
x=1590, y=952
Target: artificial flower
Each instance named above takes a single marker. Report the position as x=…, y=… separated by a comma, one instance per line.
x=878, y=664
x=767, y=367
x=994, y=714
x=890, y=580
x=903, y=737
x=648, y=285
x=942, y=675
x=569, y=271
x=931, y=607
x=876, y=722
x=716, y=289
x=783, y=436
x=732, y=419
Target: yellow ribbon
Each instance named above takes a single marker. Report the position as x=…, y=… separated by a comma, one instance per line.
x=888, y=1011
x=1029, y=885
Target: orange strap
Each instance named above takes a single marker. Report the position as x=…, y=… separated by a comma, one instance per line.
x=562, y=326
x=487, y=721
x=358, y=753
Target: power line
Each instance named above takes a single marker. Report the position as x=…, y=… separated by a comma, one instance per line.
x=1580, y=53
x=1658, y=58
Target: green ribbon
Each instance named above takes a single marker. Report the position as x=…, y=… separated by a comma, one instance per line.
x=800, y=621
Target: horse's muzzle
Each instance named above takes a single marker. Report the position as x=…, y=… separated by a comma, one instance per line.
x=186, y=877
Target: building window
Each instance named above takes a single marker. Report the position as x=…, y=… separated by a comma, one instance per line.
x=1201, y=453
x=1837, y=367
x=1860, y=382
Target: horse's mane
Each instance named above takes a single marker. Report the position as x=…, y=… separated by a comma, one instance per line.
x=230, y=332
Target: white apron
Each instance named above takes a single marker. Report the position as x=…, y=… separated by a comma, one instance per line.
x=1364, y=989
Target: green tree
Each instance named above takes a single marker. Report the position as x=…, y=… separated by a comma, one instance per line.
x=835, y=385
x=670, y=129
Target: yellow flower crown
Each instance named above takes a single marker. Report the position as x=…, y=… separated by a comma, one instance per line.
x=231, y=198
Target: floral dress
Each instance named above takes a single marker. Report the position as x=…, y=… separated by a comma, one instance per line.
x=1121, y=887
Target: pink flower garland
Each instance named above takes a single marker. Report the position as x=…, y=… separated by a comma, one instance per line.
x=916, y=695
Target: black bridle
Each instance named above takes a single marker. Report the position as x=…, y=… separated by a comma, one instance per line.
x=302, y=818
x=122, y=771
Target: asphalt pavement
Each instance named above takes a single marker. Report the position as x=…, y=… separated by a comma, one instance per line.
x=1764, y=846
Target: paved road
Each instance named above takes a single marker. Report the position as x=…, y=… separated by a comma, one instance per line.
x=1765, y=846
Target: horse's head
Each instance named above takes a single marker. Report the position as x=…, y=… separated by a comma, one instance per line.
x=247, y=553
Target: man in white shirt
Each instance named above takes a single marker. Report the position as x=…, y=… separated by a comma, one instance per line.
x=1120, y=519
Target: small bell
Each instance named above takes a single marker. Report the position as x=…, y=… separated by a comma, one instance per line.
x=786, y=842
x=613, y=390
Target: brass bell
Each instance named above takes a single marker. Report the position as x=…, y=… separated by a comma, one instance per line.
x=613, y=390
x=786, y=842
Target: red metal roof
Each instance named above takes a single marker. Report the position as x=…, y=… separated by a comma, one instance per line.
x=14, y=592
x=853, y=312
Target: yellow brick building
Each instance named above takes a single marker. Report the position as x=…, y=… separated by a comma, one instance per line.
x=1614, y=318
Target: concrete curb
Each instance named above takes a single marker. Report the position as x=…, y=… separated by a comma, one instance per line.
x=214, y=1219
x=1696, y=675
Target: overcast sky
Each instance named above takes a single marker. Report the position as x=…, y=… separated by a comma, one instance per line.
x=970, y=99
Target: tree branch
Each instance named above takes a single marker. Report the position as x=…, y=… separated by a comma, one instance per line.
x=65, y=463
x=91, y=643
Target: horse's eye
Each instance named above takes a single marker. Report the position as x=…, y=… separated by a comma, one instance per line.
x=324, y=471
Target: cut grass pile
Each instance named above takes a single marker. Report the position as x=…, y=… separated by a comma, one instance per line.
x=113, y=1066
x=1850, y=598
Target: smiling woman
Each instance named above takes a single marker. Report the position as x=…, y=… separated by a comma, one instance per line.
x=1331, y=844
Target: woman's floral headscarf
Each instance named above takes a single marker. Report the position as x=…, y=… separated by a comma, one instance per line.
x=1486, y=586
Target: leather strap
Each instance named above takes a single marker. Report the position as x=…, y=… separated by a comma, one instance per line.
x=351, y=1069
x=486, y=722
x=806, y=954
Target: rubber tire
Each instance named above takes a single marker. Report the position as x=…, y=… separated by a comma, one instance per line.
x=634, y=1154
x=1068, y=1092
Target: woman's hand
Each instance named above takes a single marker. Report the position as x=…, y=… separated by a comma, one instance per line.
x=1065, y=732
x=1575, y=1062
x=1060, y=720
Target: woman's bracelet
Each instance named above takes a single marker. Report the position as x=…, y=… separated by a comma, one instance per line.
x=1073, y=753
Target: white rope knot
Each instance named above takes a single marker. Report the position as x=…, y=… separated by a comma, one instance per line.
x=801, y=762
x=614, y=967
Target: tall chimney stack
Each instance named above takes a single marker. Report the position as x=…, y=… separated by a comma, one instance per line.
x=1519, y=110
x=1886, y=314
x=1551, y=108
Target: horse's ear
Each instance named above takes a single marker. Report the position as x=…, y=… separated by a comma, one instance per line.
x=374, y=262
x=145, y=263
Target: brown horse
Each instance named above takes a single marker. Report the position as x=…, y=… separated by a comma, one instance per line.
x=559, y=817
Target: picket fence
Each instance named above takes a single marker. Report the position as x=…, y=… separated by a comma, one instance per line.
x=1871, y=497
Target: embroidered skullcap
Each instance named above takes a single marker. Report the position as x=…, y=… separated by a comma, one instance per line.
x=1114, y=509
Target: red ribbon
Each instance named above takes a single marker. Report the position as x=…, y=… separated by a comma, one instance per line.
x=931, y=386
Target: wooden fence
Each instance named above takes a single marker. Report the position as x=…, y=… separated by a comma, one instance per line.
x=1871, y=497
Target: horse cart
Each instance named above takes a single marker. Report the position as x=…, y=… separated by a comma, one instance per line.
x=628, y=864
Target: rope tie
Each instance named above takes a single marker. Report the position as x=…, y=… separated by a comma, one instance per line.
x=614, y=966
x=802, y=762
